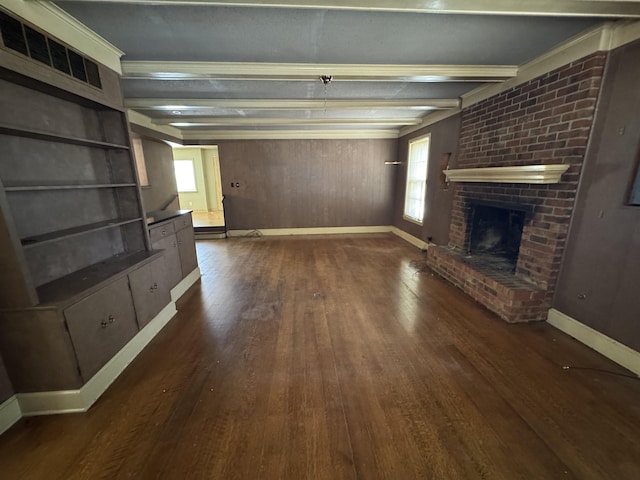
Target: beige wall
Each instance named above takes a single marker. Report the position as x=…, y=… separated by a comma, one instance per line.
x=205, y=164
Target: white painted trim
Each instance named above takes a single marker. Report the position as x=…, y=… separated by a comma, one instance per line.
x=623, y=33
x=141, y=120
x=610, y=348
x=210, y=236
x=185, y=284
x=430, y=119
x=571, y=8
x=285, y=134
x=415, y=241
x=159, y=70
x=10, y=413
x=538, y=174
x=60, y=24
x=168, y=104
x=267, y=232
x=73, y=401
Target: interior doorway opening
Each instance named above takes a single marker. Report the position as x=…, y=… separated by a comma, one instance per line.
x=200, y=187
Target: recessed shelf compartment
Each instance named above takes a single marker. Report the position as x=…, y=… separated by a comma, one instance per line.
x=28, y=187
x=54, y=137
x=82, y=281
x=34, y=241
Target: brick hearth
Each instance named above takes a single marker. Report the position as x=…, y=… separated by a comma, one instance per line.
x=544, y=121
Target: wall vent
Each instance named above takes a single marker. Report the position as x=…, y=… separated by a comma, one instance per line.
x=33, y=43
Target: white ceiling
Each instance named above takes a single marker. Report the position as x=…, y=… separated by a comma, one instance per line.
x=221, y=69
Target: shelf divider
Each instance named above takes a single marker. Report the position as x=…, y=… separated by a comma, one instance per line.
x=58, y=235
x=55, y=137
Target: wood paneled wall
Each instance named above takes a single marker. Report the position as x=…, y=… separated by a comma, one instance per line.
x=158, y=158
x=444, y=142
x=600, y=273
x=307, y=183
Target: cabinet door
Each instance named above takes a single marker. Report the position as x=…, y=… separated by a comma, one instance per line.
x=100, y=325
x=169, y=245
x=150, y=290
x=187, y=250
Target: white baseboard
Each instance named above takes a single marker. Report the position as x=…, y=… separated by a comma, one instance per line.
x=73, y=401
x=267, y=232
x=421, y=244
x=415, y=241
x=10, y=413
x=610, y=348
x=183, y=286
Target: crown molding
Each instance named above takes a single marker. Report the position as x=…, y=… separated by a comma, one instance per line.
x=430, y=120
x=213, y=135
x=604, y=37
x=156, y=70
x=572, y=8
x=165, y=104
x=60, y=24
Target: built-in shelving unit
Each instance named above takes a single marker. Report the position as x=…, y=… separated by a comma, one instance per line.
x=69, y=195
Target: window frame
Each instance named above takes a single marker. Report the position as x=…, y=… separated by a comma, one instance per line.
x=405, y=215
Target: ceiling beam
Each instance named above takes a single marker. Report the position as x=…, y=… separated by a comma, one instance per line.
x=569, y=8
x=151, y=70
x=180, y=104
x=182, y=122
x=286, y=134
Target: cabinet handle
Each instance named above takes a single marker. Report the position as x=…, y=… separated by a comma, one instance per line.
x=164, y=232
x=103, y=324
x=155, y=285
x=151, y=289
x=112, y=319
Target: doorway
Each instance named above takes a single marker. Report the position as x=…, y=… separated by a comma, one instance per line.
x=200, y=187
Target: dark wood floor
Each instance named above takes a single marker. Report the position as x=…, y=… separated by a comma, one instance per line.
x=331, y=358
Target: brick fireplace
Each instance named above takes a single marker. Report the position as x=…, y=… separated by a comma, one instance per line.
x=542, y=122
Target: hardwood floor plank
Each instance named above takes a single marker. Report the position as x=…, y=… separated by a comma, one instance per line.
x=337, y=357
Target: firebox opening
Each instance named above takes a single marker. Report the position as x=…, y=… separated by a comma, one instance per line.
x=495, y=235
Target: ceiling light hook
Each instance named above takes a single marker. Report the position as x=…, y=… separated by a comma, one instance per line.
x=326, y=80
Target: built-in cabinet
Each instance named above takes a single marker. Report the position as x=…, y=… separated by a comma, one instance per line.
x=78, y=276
x=173, y=233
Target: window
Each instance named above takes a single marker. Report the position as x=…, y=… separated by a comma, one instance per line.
x=416, y=188
x=185, y=175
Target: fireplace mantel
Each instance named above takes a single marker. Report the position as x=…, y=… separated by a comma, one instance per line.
x=520, y=174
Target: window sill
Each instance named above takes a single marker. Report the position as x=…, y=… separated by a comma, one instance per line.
x=412, y=220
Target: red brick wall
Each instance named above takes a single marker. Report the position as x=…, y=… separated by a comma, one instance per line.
x=544, y=121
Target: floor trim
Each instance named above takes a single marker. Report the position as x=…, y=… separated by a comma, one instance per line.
x=10, y=413
x=73, y=401
x=610, y=348
x=267, y=232
x=185, y=284
x=407, y=237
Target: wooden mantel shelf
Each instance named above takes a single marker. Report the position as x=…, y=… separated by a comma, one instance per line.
x=520, y=174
